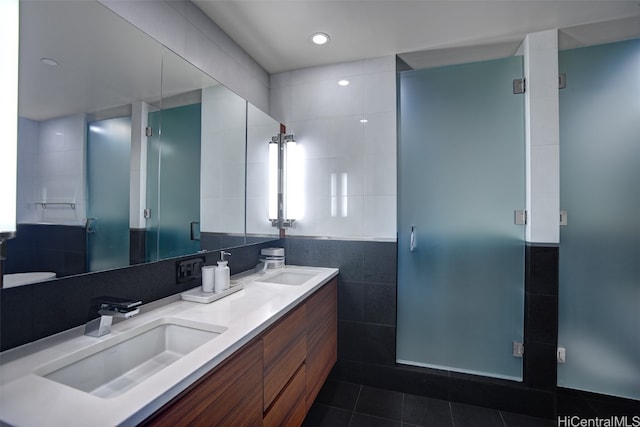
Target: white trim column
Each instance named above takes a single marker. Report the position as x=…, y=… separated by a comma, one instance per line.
x=542, y=127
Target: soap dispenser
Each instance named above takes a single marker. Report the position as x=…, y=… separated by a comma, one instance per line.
x=222, y=274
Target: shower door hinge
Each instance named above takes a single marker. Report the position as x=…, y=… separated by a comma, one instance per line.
x=146, y=213
x=563, y=217
x=518, y=349
x=519, y=86
x=562, y=355
x=520, y=217
x=148, y=131
x=562, y=80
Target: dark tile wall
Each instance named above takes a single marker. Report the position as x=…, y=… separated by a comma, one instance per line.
x=367, y=322
x=541, y=316
x=137, y=246
x=217, y=241
x=591, y=405
x=31, y=312
x=366, y=299
x=47, y=247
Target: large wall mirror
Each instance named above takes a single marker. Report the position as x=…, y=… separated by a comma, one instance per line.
x=127, y=153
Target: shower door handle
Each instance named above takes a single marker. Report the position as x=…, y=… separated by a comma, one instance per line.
x=193, y=234
x=412, y=239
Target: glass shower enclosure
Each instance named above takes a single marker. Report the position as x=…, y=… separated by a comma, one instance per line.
x=599, y=294
x=108, y=176
x=461, y=160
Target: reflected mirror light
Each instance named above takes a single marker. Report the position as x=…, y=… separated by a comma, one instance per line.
x=8, y=112
x=273, y=180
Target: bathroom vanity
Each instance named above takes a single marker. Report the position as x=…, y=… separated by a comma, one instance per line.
x=256, y=357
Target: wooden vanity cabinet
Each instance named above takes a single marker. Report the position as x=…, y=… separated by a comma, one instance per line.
x=273, y=380
x=285, y=349
x=314, y=327
x=230, y=394
x=322, y=338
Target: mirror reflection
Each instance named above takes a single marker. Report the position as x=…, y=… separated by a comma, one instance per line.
x=127, y=153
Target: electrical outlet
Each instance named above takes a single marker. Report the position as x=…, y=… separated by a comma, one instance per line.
x=189, y=269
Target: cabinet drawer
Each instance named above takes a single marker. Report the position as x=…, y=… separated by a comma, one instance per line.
x=322, y=337
x=285, y=348
x=282, y=370
x=289, y=407
x=231, y=394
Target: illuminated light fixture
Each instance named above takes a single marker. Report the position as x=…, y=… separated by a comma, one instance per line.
x=284, y=181
x=364, y=121
x=320, y=38
x=343, y=82
x=9, y=18
x=49, y=61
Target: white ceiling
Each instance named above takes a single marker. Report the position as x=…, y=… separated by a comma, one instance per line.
x=104, y=62
x=277, y=33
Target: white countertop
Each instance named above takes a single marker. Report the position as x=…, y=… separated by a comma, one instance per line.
x=27, y=399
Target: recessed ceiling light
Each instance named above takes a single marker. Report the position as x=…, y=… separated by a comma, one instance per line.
x=49, y=61
x=320, y=38
x=343, y=82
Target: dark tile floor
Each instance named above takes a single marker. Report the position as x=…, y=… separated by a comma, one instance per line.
x=354, y=405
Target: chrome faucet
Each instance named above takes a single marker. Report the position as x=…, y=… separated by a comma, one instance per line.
x=264, y=264
x=108, y=308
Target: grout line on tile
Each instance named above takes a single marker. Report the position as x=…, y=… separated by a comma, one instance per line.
x=504, y=422
x=453, y=422
x=353, y=412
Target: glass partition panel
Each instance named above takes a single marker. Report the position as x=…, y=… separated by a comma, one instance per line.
x=179, y=193
x=108, y=177
x=460, y=255
x=599, y=300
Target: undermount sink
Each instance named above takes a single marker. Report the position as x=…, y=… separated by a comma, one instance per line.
x=113, y=366
x=289, y=278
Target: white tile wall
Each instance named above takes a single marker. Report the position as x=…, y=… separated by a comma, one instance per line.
x=260, y=129
x=542, y=125
x=325, y=118
x=27, y=186
x=51, y=168
x=138, y=188
x=222, y=161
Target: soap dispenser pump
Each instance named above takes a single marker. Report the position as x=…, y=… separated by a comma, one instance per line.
x=222, y=274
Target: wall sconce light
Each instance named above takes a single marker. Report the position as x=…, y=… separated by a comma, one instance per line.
x=9, y=18
x=284, y=181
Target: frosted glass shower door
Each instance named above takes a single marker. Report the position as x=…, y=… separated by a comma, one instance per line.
x=173, y=178
x=108, y=174
x=599, y=294
x=461, y=177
